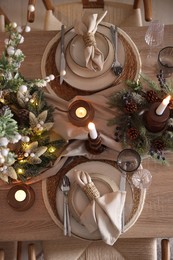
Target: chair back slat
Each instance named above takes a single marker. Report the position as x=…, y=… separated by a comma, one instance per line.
x=91, y=4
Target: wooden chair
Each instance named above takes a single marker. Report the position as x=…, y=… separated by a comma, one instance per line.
x=8, y=250
x=123, y=249
x=3, y=20
x=118, y=13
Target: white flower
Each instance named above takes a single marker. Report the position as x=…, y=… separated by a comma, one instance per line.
x=63, y=73
x=31, y=8
x=23, y=88
x=14, y=25
x=51, y=77
x=21, y=39
x=4, y=141
x=10, y=50
x=27, y=28
x=6, y=41
x=18, y=52
x=19, y=29
x=25, y=139
x=5, y=152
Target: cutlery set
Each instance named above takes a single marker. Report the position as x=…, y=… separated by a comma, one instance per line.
x=65, y=187
x=62, y=57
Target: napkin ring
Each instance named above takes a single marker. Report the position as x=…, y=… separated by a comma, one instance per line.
x=89, y=39
x=91, y=191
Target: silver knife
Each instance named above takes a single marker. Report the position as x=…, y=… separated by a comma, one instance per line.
x=62, y=57
x=123, y=188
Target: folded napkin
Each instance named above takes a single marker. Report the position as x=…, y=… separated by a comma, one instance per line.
x=103, y=212
x=87, y=27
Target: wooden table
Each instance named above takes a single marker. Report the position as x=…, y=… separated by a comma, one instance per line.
x=156, y=219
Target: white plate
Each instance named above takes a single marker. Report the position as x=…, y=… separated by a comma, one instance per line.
x=92, y=167
x=82, y=71
x=91, y=84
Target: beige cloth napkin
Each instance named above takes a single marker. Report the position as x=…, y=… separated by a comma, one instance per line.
x=102, y=213
x=87, y=27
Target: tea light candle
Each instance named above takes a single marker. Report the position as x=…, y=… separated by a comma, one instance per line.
x=81, y=112
x=161, y=108
x=92, y=131
x=20, y=195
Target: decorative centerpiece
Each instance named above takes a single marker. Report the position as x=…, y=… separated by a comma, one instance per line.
x=144, y=116
x=26, y=120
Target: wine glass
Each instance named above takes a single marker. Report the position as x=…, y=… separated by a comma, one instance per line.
x=154, y=35
x=128, y=160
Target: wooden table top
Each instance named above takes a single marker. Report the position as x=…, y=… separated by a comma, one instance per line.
x=156, y=219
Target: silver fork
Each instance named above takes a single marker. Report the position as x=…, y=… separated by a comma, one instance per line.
x=65, y=187
x=116, y=66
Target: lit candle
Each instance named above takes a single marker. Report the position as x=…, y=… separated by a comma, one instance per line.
x=161, y=108
x=81, y=112
x=92, y=130
x=20, y=195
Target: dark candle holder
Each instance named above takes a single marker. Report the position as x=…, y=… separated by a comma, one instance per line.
x=153, y=122
x=25, y=203
x=94, y=146
x=84, y=120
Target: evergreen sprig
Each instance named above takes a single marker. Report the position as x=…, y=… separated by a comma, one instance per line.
x=130, y=105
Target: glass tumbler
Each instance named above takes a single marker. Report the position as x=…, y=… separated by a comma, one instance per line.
x=165, y=61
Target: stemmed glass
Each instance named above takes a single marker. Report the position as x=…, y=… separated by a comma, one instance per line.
x=141, y=179
x=128, y=161
x=154, y=35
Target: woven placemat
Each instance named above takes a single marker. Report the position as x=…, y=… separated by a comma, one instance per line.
x=49, y=189
x=131, y=68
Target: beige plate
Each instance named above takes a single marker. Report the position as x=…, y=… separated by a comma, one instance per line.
x=104, y=185
x=101, y=168
x=91, y=84
x=85, y=72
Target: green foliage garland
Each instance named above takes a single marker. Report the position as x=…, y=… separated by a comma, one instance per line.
x=26, y=120
x=130, y=104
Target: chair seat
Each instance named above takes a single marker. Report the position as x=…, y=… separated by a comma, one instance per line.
x=123, y=249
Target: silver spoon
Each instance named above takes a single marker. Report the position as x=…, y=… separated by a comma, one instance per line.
x=128, y=161
x=116, y=66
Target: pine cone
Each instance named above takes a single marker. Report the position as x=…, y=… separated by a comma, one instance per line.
x=158, y=145
x=23, y=115
x=151, y=96
x=131, y=106
x=132, y=133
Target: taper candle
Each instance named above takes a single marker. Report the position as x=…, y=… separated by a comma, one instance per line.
x=92, y=131
x=161, y=108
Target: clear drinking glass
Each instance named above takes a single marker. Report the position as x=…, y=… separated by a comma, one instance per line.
x=154, y=35
x=165, y=61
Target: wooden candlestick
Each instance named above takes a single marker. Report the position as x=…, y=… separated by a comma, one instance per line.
x=94, y=146
x=153, y=122
x=24, y=203
x=76, y=118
